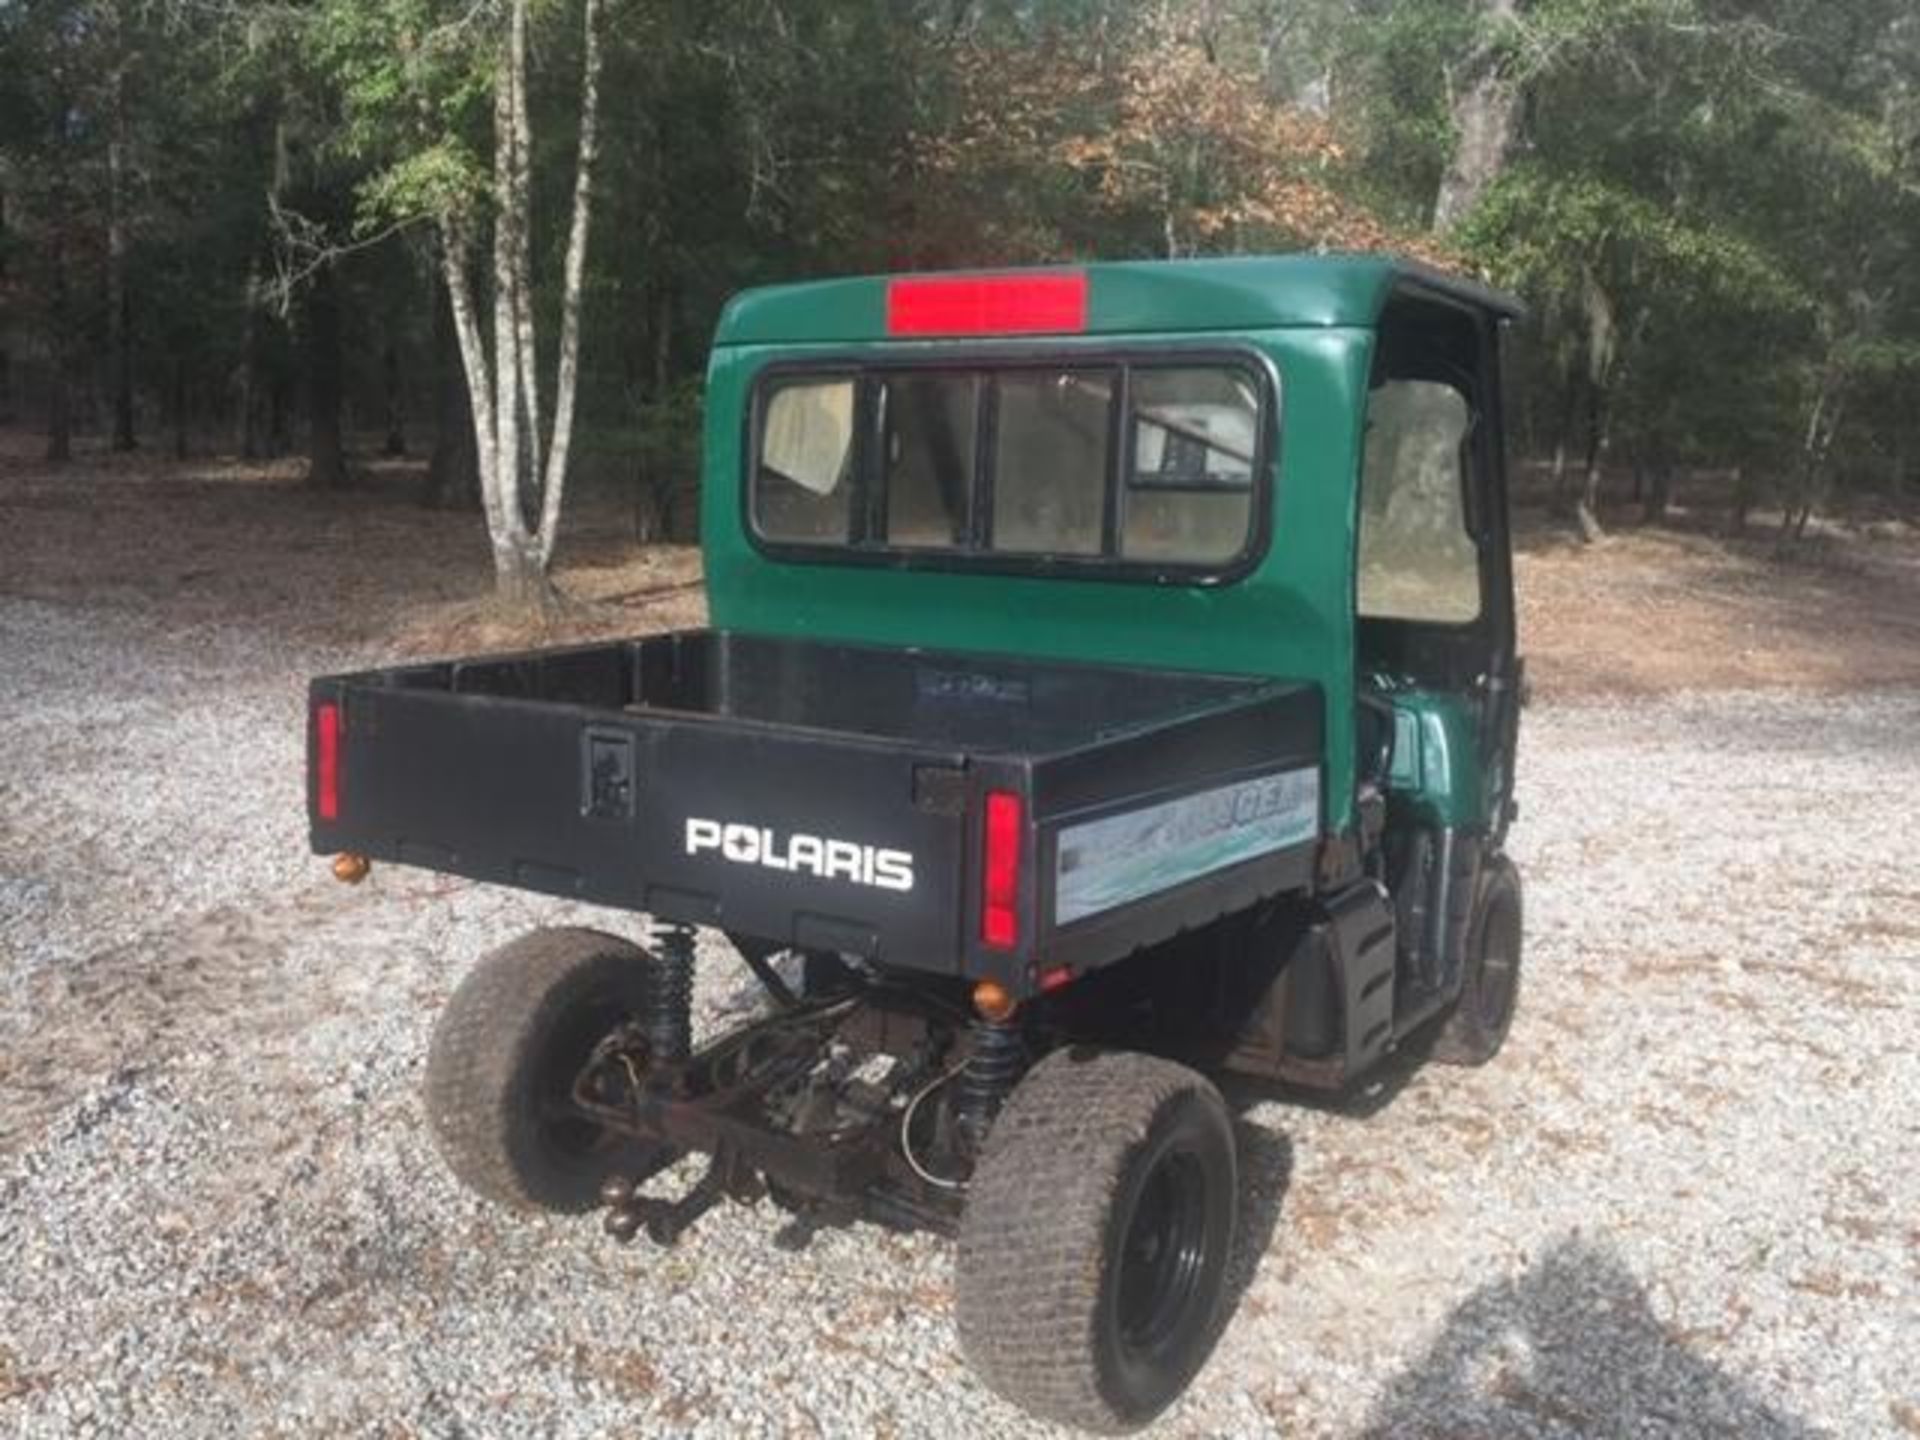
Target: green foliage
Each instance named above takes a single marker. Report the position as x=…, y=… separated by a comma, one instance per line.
x=1546, y=236
x=413, y=80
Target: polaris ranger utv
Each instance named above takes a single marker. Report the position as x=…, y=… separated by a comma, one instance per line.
x=1111, y=683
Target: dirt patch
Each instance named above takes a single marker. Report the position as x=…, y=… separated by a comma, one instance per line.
x=1649, y=611
x=656, y=587
x=223, y=542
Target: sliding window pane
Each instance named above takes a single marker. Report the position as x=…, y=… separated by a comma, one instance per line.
x=1050, y=461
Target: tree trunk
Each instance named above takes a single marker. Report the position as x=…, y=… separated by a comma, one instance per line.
x=520, y=577
x=662, y=342
x=248, y=384
x=59, y=382
x=59, y=411
x=453, y=470
x=1486, y=114
x=177, y=403
x=1558, y=488
x=1823, y=422
x=6, y=356
x=1742, y=505
x=1653, y=478
x=279, y=416
x=508, y=515
x=523, y=247
x=1659, y=489
x=554, y=477
x=261, y=385
x=511, y=469
x=395, y=405
x=1586, y=512
x=252, y=443
x=649, y=509
x=1600, y=378
x=326, y=454
x=119, y=333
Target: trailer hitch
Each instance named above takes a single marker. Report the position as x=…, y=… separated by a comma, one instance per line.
x=666, y=1220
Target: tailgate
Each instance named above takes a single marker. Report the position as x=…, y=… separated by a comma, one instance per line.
x=819, y=840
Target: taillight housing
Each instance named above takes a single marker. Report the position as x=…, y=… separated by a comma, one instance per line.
x=326, y=760
x=1000, y=871
x=1034, y=302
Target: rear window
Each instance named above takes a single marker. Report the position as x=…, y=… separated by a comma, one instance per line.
x=805, y=486
x=1148, y=464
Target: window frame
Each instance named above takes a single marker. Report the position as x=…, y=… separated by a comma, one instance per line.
x=867, y=370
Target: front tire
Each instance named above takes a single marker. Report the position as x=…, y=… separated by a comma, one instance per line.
x=504, y=1056
x=1477, y=1026
x=1093, y=1251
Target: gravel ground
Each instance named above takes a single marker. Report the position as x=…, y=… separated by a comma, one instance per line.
x=1682, y=1202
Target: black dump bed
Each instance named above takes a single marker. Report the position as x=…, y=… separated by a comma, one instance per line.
x=833, y=796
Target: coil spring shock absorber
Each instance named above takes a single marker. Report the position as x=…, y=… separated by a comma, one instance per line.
x=996, y=1056
x=668, y=1021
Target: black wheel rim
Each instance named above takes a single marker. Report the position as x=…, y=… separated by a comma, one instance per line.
x=1499, y=966
x=1162, y=1256
x=569, y=1133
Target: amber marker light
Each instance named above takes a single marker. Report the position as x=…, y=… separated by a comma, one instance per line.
x=351, y=869
x=992, y=1001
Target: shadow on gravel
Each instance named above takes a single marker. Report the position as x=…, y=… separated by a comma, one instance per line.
x=1266, y=1170
x=1570, y=1347
x=1362, y=1101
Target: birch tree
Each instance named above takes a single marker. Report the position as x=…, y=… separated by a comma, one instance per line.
x=413, y=80
x=522, y=483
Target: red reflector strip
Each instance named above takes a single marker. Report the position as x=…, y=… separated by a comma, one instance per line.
x=326, y=760
x=1056, y=978
x=1053, y=302
x=999, y=917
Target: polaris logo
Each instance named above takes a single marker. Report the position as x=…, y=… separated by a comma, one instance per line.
x=802, y=854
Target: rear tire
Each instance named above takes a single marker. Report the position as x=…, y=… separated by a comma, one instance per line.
x=1093, y=1251
x=1477, y=1026
x=504, y=1056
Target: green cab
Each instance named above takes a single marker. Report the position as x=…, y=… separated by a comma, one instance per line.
x=1287, y=467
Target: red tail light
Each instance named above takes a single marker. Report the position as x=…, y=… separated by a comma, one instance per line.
x=326, y=760
x=999, y=915
x=1048, y=302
